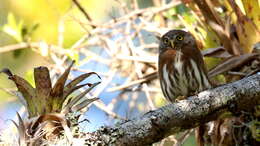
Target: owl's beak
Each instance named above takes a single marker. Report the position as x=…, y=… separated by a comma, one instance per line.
x=172, y=43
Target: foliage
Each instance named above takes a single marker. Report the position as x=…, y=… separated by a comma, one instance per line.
x=48, y=106
x=44, y=98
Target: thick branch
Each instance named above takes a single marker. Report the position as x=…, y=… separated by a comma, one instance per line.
x=173, y=118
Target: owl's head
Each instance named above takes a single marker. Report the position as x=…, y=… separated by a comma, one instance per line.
x=176, y=39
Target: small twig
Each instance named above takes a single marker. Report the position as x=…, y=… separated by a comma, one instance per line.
x=104, y=108
x=84, y=12
x=140, y=81
x=25, y=45
x=96, y=57
x=88, y=70
x=61, y=32
x=135, y=4
x=182, y=139
x=237, y=73
x=148, y=59
x=142, y=12
x=137, y=64
x=9, y=48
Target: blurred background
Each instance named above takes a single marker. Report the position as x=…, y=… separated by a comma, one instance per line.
x=118, y=40
x=60, y=23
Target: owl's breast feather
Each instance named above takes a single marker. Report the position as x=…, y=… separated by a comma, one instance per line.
x=167, y=57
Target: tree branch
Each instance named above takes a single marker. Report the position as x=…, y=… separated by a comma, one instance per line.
x=155, y=125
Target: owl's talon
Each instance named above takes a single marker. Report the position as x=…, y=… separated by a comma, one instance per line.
x=180, y=98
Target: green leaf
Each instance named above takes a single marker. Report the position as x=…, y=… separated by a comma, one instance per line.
x=13, y=28
x=11, y=20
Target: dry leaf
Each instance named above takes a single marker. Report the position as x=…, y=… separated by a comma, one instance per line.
x=219, y=52
x=231, y=63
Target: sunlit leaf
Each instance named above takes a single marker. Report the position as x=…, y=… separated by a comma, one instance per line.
x=252, y=9
x=13, y=28
x=30, y=77
x=11, y=21
x=247, y=31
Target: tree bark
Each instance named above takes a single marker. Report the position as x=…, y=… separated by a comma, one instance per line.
x=155, y=125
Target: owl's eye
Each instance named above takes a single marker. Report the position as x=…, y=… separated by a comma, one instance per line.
x=166, y=41
x=179, y=38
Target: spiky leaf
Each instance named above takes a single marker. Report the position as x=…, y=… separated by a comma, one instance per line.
x=70, y=87
x=83, y=104
x=57, y=90
x=43, y=89
x=21, y=130
x=25, y=88
x=77, y=98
